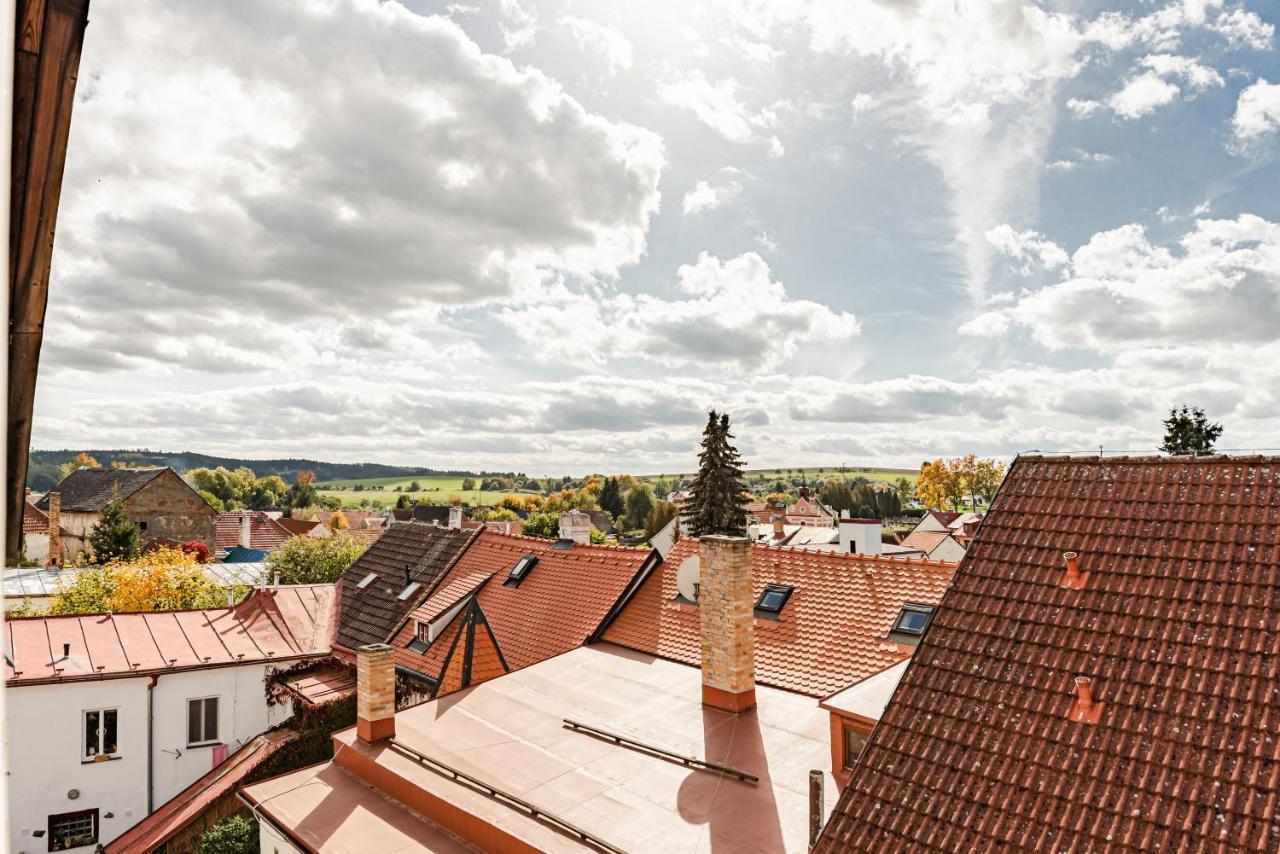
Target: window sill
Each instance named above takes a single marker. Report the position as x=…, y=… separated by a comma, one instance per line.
x=200, y=744
x=101, y=759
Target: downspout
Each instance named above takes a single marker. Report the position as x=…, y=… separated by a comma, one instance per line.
x=151, y=684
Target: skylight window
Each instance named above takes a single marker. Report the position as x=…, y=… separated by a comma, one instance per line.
x=367, y=580
x=409, y=591
x=773, y=599
x=520, y=570
x=913, y=619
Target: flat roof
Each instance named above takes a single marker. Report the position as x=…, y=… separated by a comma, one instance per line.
x=509, y=732
x=867, y=699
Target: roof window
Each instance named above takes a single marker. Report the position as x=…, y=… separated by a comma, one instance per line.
x=520, y=570
x=913, y=619
x=408, y=591
x=367, y=580
x=773, y=599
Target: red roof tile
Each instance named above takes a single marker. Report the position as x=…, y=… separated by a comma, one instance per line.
x=297, y=526
x=830, y=634
x=925, y=541
x=289, y=622
x=1175, y=626
x=265, y=533
x=561, y=601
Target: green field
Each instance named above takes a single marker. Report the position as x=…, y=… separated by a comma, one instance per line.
x=437, y=489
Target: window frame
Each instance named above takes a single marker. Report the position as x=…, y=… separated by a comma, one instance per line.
x=850, y=735
x=204, y=723
x=85, y=757
x=786, y=592
x=913, y=608
x=91, y=814
x=517, y=575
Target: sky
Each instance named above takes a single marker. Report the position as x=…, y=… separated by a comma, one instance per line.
x=548, y=237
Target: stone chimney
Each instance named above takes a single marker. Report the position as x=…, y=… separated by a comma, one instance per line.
x=246, y=528
x=726, y=608
x=860, y=536
x=55, y=528
x=575, y=525
x=375, y=692
x=455, y=517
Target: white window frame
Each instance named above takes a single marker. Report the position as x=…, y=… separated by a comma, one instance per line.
x=187, y=721
x=102, y=731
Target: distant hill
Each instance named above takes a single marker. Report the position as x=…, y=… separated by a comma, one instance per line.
x=42, y=472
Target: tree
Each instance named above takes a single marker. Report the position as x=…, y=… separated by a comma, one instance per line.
x=415, y=487
x=164, y=579
x=338, y=521
x=906, y=489
x=1187, y=432
x=932, y=487
x=270, y=491
x=311, y=560
x=717, y=496
x=403, y=501
x=467, y=484
x=662, y=513
x=81, y=460
x=303, y=492
x=113, y=536
x=235, y=834
x=610, y=497
x=545, y=525
x=639, y=503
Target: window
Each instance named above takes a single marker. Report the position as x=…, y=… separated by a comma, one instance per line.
x=142, y=526
x=202, y=721
x=854, y=741
x=73, y=829
x=99, y=734
x=772, y=600
x=520, y=570
x=913, y=619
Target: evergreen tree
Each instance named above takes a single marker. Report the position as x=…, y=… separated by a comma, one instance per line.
x=610, y=497
x=1187, y=432
x=718, y=492
x=113, y=536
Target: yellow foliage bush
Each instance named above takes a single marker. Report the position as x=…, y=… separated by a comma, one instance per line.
x=164, y=579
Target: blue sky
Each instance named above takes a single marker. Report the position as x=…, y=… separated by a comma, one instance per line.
x=548, y=236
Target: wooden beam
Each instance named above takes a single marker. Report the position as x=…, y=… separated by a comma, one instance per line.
x=49, y=37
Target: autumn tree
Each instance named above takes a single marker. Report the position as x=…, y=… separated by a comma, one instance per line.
x=114, y=536
x=932, y=487
x=661, y=514
x=303, y=492
x=639, y=503
x=164, y=579
x=81, y=460
x=545, y=525
x=717, y=494
x=1188, y=432
x=338, y=521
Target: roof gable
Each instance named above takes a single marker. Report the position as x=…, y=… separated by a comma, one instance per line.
x=831, y=633
x=1176, y=628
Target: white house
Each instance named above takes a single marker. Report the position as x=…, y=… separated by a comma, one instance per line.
x=111, y=715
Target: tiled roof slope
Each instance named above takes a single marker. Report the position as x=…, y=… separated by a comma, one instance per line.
x=1176, y=626
x=560, y=603
x=297, y=526
x=925, y=541
x=830, y=634
x=88, y=490
x=264, y=532
x=270, y=625
x=35, y=521
x=424, y=552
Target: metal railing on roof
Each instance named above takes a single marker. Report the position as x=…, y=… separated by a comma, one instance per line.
x=494, y=792
x=691, y=761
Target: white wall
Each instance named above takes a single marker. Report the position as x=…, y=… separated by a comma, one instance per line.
x=272, y=841
x=45, y=725
x=948, y=549
x=36, y=547
x=862, y=538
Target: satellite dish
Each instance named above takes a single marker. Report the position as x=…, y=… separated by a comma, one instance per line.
x=687, y=576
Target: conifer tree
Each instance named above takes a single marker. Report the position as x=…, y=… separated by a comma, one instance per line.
x=718, y=493
x=114, y=537
x=610, y=497
x=1187, y=432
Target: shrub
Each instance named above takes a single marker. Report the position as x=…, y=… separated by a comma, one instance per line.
x=308, y=560
x=163, y=579
x=235, y=834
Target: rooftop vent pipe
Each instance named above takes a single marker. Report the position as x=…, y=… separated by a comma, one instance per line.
x=1085, y=710
x=1073, y=577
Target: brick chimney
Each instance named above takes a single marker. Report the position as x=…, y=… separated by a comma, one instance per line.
x=55, y=528
x=726, y=608
x=375, y=692
x=246, y=526
x=779, y=525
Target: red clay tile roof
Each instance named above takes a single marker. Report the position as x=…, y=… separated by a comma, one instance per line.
x=466, y=653
x=296, y=526
x=830, y=634
x=424, y=553
x=560, y=603
x=288, y=622
x=34, y=520
x=925, y=541
x=1176, y=626
x=189, y=804
x=265, y=533
x=946, y=517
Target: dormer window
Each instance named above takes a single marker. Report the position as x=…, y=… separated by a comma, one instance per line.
x=913, y=619
x=772, y=600
x=520, y=570
x=367, y=580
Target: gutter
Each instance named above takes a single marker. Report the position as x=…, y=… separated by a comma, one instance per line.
x=156, y=671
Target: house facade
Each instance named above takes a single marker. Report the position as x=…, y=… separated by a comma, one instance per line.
x=116, y=714
x=159, y=501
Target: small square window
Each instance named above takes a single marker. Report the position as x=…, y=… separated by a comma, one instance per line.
x=521, y=569
x=73, y=829
x=202, y=721
x=854, y=742
x=913, y=619
x=773, y=599
x=99, y=734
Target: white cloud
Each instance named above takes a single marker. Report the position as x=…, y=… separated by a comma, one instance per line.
x=706, y=196
x=1244, y=29
x=715, y=104
x=1031, y=248
x=1145, y=92
x=863, y=102
x=1257, y=112
x=614, y=47
x=1082, y=107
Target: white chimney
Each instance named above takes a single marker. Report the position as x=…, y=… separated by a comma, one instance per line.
x=576, y=525
x=860, y=536
x=246, y=523
x=455, y=517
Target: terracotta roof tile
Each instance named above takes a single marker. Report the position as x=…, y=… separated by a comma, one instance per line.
x=561, y=602
x=297, y=526
x=925, y=541
x=830, y=634
x=1176, y=628
x=265, y=533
